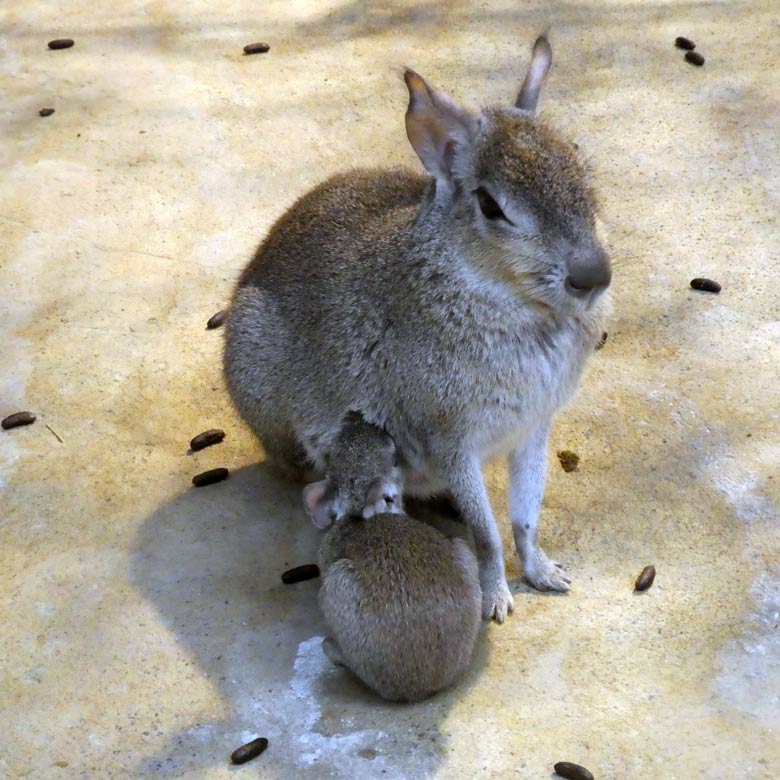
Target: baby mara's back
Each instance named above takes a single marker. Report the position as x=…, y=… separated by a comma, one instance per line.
x=403, y=603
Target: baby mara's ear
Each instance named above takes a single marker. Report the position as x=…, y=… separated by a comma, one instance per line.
x=541, y=60
x=383, y=497
x=321, y=500
x=436, y=126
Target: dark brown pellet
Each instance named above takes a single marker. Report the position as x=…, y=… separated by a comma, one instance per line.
x=602, y=340
x=249, y=751
x=46, y=112
x=705, y=285
x=206, y=439
x=569, y=460
x=694, y=58
x=217, y=320
x=684, y=43
x=301, y=573
x=572, y=771
x=210, y=477
x=61, y=43
x=256, y=48
x=646, y=578
x=17, y=419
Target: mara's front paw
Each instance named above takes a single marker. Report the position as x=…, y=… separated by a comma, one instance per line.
x=496, y=600
x=544, y=574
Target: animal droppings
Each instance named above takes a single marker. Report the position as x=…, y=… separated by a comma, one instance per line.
x=569, y=460
x=572, y=771
x=217, y=320
x=301, y=573
x=645, y=578
x=210, y=477
x=46, y=112
x=17, y=419
x=61, y=43
x=206, y=439
x=256, y=48
x=694, y=58
x=705, y=285
x=684, y=43
x=249, y=751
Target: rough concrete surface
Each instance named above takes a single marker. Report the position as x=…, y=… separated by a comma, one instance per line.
x=145, y=630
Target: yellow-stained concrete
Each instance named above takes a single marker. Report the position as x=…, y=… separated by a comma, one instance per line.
x=144, y=630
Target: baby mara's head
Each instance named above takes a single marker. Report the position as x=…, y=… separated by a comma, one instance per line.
x=362, y=479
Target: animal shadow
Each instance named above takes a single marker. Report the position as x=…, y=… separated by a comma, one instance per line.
x=210, y=562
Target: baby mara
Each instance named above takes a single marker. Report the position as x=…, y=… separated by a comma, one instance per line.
x=402, y=601
x=455, y=310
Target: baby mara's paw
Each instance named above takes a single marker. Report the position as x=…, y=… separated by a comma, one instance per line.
x=384, y=501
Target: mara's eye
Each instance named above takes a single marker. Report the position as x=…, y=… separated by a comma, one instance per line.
x=488, y=206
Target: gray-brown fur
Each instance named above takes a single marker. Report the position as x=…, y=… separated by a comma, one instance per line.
x=362, y=476
x=531, y=162
x=401, y=600
x=392, y=294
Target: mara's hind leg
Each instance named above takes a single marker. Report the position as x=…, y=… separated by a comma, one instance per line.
x=285, y=454
x=256, y=357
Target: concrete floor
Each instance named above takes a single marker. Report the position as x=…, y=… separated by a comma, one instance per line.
x=145, y=631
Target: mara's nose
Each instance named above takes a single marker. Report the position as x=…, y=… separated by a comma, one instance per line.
x=589, y=273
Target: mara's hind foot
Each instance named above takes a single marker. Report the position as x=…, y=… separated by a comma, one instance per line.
x=286, y=455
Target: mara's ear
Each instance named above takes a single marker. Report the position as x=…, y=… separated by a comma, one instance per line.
x=435, y=125
x=320, y=500
x=541, y=60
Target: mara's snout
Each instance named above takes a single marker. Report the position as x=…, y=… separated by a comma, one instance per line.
x=589, y=275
